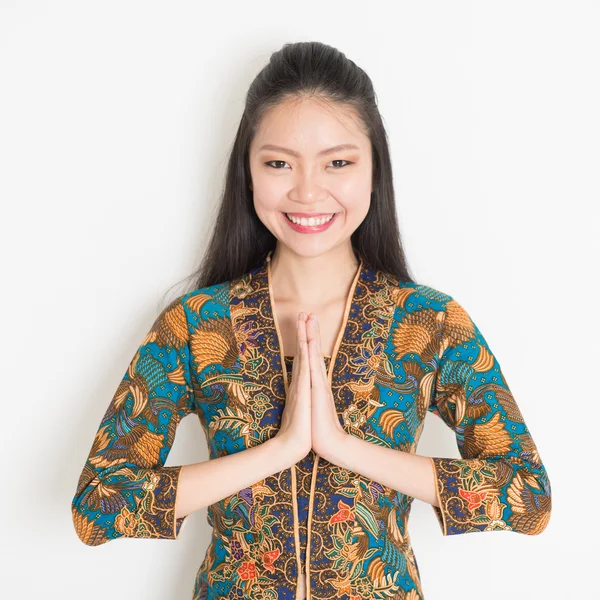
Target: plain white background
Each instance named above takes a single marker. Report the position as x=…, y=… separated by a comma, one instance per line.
x=116, y=119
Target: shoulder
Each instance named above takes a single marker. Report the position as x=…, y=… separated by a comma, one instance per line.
x=414, y=296
x=203, y=303
x=431, y=308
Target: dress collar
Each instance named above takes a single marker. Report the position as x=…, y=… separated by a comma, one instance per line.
x=358, y=360
x=341, y=333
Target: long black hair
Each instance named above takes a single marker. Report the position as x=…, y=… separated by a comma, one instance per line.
x=239, y=240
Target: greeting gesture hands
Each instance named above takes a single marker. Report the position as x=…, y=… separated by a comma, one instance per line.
x=295, y=428
x=326, y=429
x=309, y=418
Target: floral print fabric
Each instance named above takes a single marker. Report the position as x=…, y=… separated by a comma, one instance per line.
x=405, y=349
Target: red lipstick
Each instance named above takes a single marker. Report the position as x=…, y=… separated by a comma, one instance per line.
x=307, y=228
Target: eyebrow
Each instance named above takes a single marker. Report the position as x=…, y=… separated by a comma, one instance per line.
x=322, y=153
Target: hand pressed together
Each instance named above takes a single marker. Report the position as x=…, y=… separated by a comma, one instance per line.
x=310, y=418
x=326, y=429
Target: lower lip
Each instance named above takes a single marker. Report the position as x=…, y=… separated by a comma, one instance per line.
x=308, y=228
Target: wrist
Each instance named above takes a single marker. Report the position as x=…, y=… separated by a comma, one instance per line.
x=287, y=450
x=335, y=448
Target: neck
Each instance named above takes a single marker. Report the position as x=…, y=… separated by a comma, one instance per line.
x=314, y=279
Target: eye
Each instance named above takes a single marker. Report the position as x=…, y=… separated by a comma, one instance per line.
x=275, y=161
x=282, y=162
x=339, y=161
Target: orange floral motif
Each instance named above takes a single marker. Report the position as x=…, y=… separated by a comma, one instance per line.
x=269, y=559
x=125, y=522
x=474, y=498
x=247, y=570
x=344, y=514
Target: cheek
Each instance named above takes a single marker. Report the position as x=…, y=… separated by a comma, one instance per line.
x=354, y=194
x=266, y=205
x=265, y=202
x=268, y=192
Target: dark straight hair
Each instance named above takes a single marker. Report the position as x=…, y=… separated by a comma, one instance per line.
x=239, y=240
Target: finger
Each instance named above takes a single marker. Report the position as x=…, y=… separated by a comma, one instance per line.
x=318, y=354
x=322, y=359
x=303, y=356
x=317, y=333
x=296, y=362
x=316, y=372
x=297, y=353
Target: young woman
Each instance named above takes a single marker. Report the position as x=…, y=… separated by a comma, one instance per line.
x=311, y=358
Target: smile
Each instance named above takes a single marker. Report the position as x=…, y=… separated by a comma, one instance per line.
x=310, y=224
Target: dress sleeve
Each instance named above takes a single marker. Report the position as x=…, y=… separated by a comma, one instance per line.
x=124, y=489
x=500, y=483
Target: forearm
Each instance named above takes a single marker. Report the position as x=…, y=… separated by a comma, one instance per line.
x=204, y=483
x=410, y=474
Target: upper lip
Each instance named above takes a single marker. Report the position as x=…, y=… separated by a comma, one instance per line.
x=308, y=215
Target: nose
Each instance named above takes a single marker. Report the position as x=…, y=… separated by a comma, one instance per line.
x=308, y=190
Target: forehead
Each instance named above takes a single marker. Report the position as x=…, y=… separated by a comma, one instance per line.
x=310, y=123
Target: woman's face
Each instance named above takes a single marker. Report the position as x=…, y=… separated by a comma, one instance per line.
x=299, y=168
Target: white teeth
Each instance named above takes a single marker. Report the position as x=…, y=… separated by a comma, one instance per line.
x=309, y=222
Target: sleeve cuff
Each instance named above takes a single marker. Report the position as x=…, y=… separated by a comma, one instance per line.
x=464, y=505
x=437, y=511
x=471, y=498
x=155, y=513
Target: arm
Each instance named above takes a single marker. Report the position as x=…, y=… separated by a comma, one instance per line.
x=499, y=483
x=229, y=474
x=410, y=474
x=124, y=489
